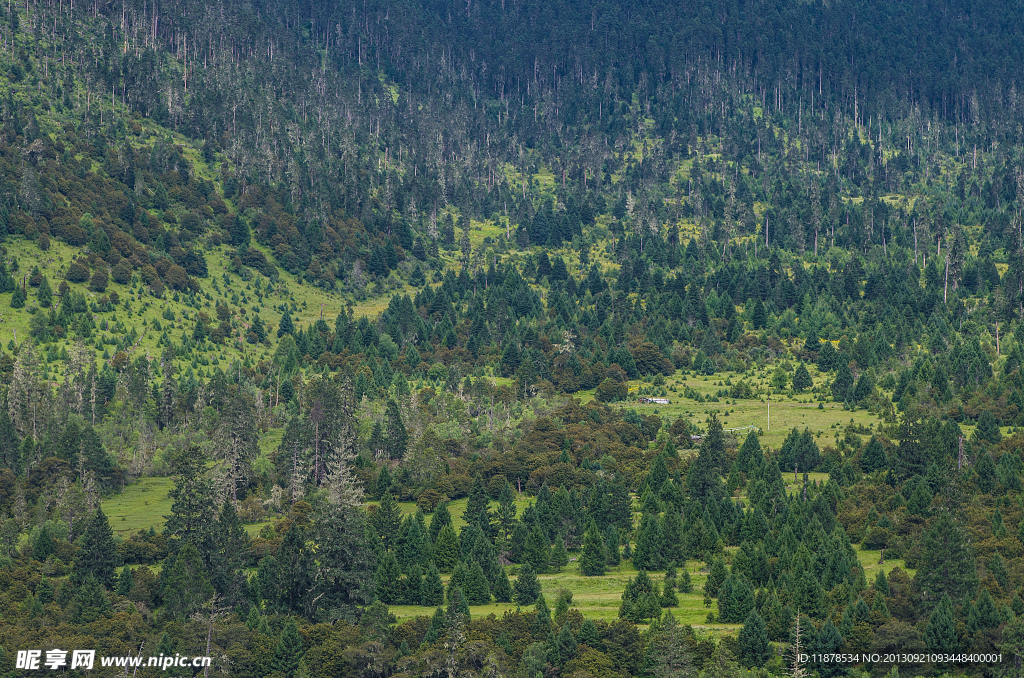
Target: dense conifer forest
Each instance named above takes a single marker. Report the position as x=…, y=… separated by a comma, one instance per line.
x=507, y=338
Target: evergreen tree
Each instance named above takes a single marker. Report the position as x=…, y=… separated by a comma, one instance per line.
x=502, y=588
x=19, y=297
x=90, y=602
x=589, y=635
x=396, y=437
x=716, y=577
x=542, y=618
x=446, y=549
x=988, y=428
x=828, y=641
x=559, y=556
x=704, y=478
x=477, y=590
x=802, y=379
x=649, y=544
x=387, y=520
x=940, y=634
x=538, y=551
x=611, y=545
x=506, y=511
x=947, y=562
x=192, y=504
x=873, y=457
x=286, y=326
x=843, y=382
x=185, y=587
x=527, y=586
x=750, y=456
x=96, y=557
x=230, y=548
x=289, y=650
x=442, y=518
x=594, y=556
x=754, y=648
x=125, y=582
x=387, y=580
x=432, y=590
x=986, y=470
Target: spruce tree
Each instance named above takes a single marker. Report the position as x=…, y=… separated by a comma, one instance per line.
x=649, y=544
x=96, y=557
x=478, y=591
x=754, y=648
x=192, y=507
x=527, y=586
x=611, y=545
x=873, y=457
x=988, y=428
x=502, y=588
x=828, y=641
x=185, y=587
x=388, y=586
x=125, y=582
x=446, y=549
x=506, y=511
x=387, y=520
x=542, y=618
x=432, y=590
x=947, y=562
x=289, y=650
x=559, y=556
x=538, y=551
x=802, y=379
x=589, y=635
x=90, y=602
x=716, y=577
x=594, y=556
x=442, y=517
x=940, y=633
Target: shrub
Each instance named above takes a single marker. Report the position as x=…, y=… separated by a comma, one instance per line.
x=77, y=272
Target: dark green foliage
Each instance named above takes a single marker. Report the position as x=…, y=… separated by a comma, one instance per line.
x=947, y=565
x=988, y=428
x=649, y=544
x=873, y=457
x=289, y=650
x=527, y=586
x=594, y=555
x=432, y=590
x=477, y=590
x=940, y=634
x=90, y=602
x=96, y=557
x=611, y=545
x=193, y=506
x=802, y=378
x=387, y=580
x=754, y=648
x=185, y=586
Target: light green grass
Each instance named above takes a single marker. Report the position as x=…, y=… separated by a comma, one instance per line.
x=787, y=411
x=141, y=506
x=600, y=597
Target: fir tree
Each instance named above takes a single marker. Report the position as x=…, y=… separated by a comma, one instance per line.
x=387, y=519
x=594, y=556
x=286, y=326
x=947, y=562
x=502, y=588
x=387, y=580
x=90, y=602
x=125, y=582
x=754, y=648
x=442, y=518
x=988, y=428
x=432, y=590
x=289, y=650
x=873, y=457
x=542, y=618
x=186, y=587
x=538, y=552
x=940, y=633
x=96, y=557
x=716, y=577
x=559, y=556
x=802, y=379
x=611, y=545
x=649, y=544
x=828, y=641
x=446, y=549
x=477, y=589
x=527, y=586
